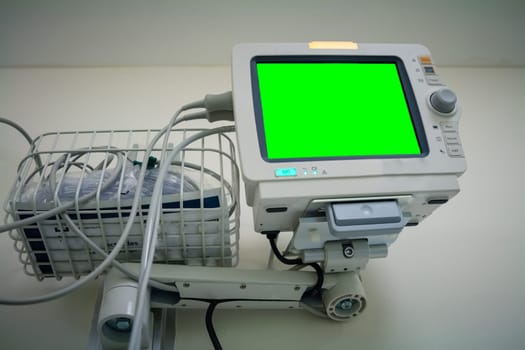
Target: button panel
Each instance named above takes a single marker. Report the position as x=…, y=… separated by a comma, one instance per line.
x=449, y=126
x=451, y=137
x=433, y=80
x=286, y=172
x=429, y=71
x=312, y=171
x=447, y=131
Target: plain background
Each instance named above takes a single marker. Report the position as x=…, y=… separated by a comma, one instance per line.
x=457, y=281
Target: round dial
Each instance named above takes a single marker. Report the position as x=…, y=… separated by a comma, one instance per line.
x=443, y=100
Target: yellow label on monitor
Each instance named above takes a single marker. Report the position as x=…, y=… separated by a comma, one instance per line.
x=333, y=45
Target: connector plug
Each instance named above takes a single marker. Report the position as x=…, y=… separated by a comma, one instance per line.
x=219, y=107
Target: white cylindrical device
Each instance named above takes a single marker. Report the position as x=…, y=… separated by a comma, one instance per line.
x=117, y=313
x=346, y=299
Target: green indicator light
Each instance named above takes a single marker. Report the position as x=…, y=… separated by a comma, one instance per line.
x=285, y=172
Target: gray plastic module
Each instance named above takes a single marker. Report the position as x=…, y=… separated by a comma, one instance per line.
x=367, y=213
x=355, y=219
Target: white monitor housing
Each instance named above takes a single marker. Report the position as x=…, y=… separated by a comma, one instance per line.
x=338, y=122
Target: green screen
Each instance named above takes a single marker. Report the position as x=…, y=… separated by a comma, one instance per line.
x=330, y=110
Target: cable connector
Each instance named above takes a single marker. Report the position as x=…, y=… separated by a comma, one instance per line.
x=219, y=107
x=271, y=234
x=152, y=162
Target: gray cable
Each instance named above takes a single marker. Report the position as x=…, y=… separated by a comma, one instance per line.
x=116, y=264
x=151, y=231
x=82, y=200
x=120, y=243
x=64, y=207
x=24, y=133
x=99, y=269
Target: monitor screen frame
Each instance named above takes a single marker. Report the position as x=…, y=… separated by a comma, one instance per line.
x=404, y=79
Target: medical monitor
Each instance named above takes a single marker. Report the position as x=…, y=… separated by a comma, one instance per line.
x=343, y=122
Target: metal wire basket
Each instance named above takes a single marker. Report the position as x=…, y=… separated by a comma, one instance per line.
x=200, y=212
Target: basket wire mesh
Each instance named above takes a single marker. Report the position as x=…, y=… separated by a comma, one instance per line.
x=200, y=213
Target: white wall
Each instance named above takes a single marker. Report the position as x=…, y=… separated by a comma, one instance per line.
x=175, y=32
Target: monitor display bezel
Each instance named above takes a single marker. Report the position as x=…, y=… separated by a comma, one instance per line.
x=404, y=79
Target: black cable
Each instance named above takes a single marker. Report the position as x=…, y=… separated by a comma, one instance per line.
x=209, y=315
x=316, y=289
x=278, y=255
x=209, y=324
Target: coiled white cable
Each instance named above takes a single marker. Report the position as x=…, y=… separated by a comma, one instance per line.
x=84, y=199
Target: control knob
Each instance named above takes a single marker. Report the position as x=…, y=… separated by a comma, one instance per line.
x=443, y=100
